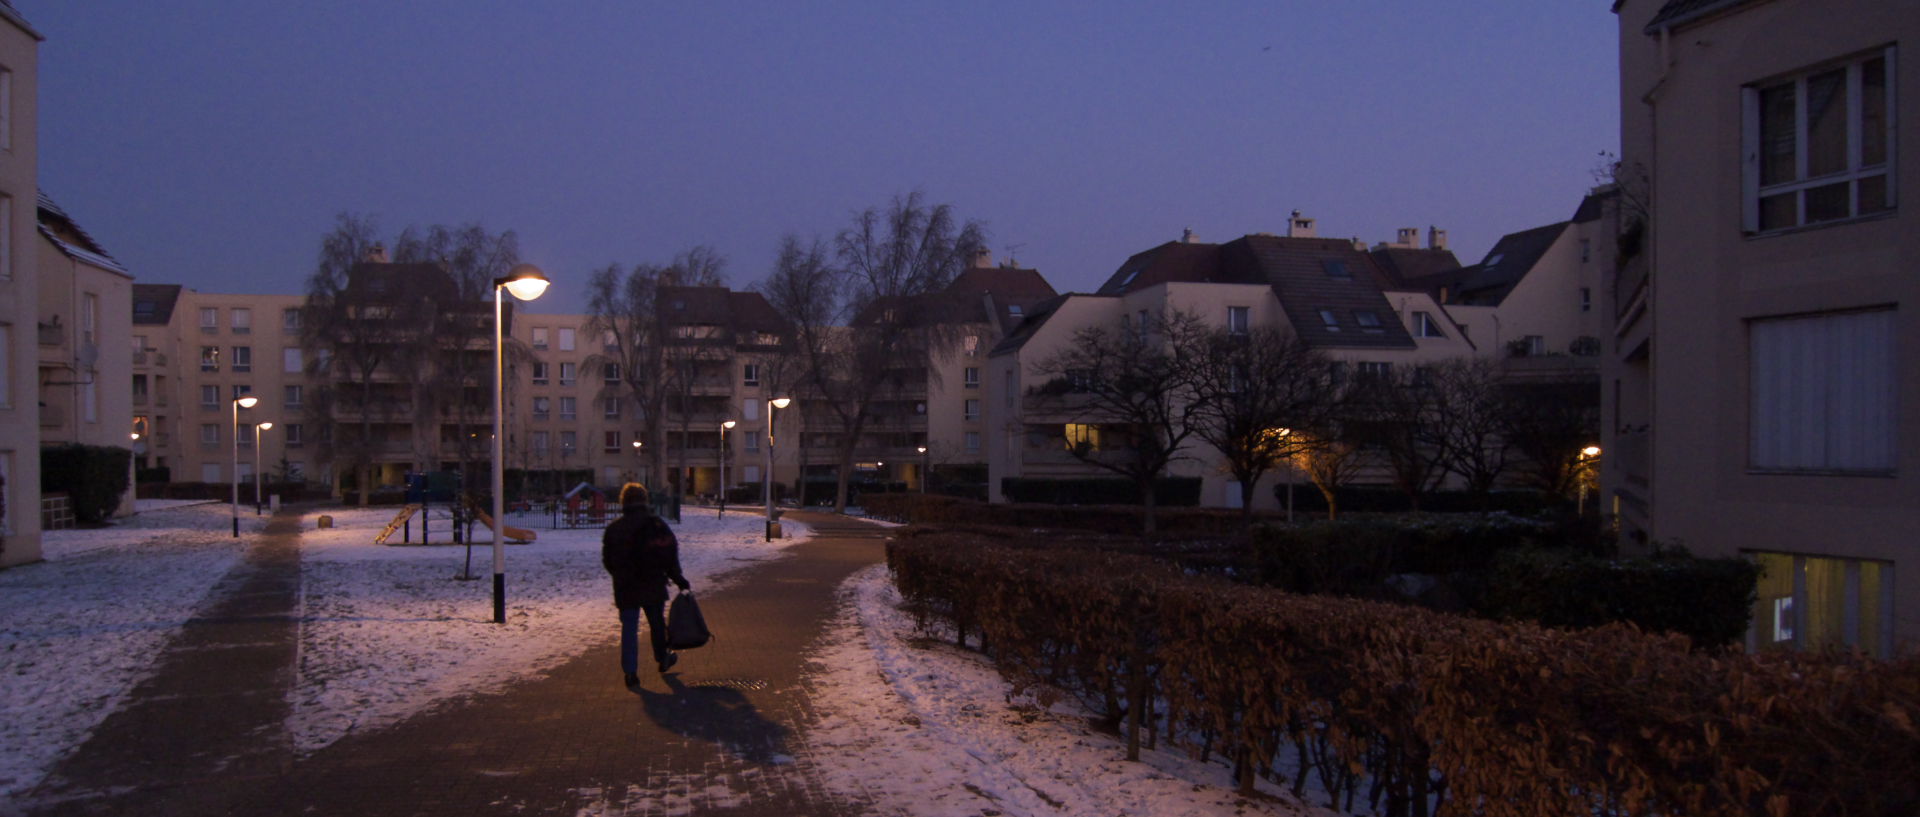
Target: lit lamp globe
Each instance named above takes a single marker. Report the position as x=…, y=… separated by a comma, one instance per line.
x=248, y=402
x=781, y=402
x=525, y=282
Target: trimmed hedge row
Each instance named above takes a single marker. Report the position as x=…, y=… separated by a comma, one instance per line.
x=1124, y=519
x=1709, y=600
x=92, y=476
x=288, y=491
x=1168, y=492
x=1413, y=710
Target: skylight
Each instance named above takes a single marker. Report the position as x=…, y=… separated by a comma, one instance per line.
x=1335, y=268
x=1332, y=321
x=1493, y=259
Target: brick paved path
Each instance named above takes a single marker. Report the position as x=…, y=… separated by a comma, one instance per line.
x=717, y=736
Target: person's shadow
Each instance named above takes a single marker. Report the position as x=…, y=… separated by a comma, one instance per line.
x=719, y=715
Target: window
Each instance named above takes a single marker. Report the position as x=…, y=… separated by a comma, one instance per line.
x=1586, y=299
x=569, y=372
x=210, y=472
x=569, y=441
x=1146, y=328
x=1373, y=370
x=1237, y=379
x=539, y=373
x=542, y=407
x=209, y=396
x=6, y=113
x=750, y=374
x=540, y=440
x=750, y=474
x=6, y=362
x=1007, y=392
x=1368, y=319
x=139, y=389
x=243, y=358
x=245, y=438
x=6, y=238
x=1818, y=602
x=613, y=408
x=1015, y=310
x=90, y=319
x=610, y=373
x=1535, y=345
x=291, y=397
x=1822, y=393
x=1081, y=436
x=1335, y=268
x=242, y=320
x=1237, y=320
x=753, y=441
x=566, y=339
x=209, y=433
x=973, y=442
x=290, y=321
x=290, y=361
x=971, y=376
x=1330, y=320
x=209, y=358
x=241, y=390
x=971, y=344
x=750, y=409
x=209, y=320
x=1425, y=327
x=973, y=409
x=294, y=438
x=539, y=337
x=1586, y=250
x=90, y=401
x=609, y=342
x=1819, y=146
x=611, y=442
x=568, y=407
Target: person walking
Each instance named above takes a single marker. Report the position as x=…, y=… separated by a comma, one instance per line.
x=641, y=554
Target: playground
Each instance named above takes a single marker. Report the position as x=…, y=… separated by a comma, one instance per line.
x=440, y=514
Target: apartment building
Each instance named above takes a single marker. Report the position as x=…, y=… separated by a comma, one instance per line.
x=85, y=352
x=1761, y=363
x=19, y=292
x=215, y=348
x=1332, y=294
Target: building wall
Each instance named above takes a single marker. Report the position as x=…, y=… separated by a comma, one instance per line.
x=1711, y=281
x=192, y=455
x=85, y=373
x=19, y=298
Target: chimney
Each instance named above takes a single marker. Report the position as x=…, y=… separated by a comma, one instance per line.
x=1359, y=245
x=1408, y=237
x=1186, y=236
x=1299, y=226
x=1436, y=238
x=982, y=258
x=378, y=254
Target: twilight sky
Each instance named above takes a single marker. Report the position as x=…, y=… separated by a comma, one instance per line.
x=211, y=142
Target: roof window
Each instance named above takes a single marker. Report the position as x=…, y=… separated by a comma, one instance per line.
x=1335, y=268
x=1331, y=320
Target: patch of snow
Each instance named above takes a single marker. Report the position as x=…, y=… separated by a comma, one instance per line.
x=929, y=730
x=388, y=631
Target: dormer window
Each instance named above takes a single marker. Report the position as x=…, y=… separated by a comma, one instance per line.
x=1368, y=319
x=1335, y=268
x=1492, y=260
x=1014, y=310
x=1330, y=320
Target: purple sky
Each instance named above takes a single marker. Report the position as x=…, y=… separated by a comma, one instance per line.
x=211, y=143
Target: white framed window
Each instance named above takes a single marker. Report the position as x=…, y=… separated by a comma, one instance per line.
x=750, y=409
x=539, y=337
x=290, y=320
x=568, y=408
x=1536, y=345
x=569, y=373
x=539, y=373
x=209, y=358
x=542, y=407
x=973, y=409
x=1822, y=393
x=1819, y=145
x=613, y=408
x=90, y=318
x=569, y=441
x=243, y=358
x=540, y=441
x=290, y=360
x=750, y=374
x=209, y=433
x=1368, y=319
x=291, y=396
x=210, y=472
x=611, y=442
x=6, y=237
x=566, y=339
x=242, y=320
x=209, y=319
x=1238, y=320
x=971, y=376
x=1818, y=602
x=973, y=442
x=610, y=373
x=209, y=396
x=1425, y=327
x=750, y=474
x=1330, y=320
x=294, y=438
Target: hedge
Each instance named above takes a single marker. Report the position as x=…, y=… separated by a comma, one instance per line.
x=1169, y=492
x=92, y=476
x=1374, y=499
x=1710, y=600
x=934, y=509
x=1411, y=710
x=288, y=491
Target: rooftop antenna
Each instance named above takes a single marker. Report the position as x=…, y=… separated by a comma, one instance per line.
x=1012, y=250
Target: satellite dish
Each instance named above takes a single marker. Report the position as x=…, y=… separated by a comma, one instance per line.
x=88, y=355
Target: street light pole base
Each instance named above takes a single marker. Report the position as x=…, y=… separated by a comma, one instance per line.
x=499, y=598
x=236, y=527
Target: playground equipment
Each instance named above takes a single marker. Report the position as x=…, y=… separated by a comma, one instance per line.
x=582, y=507
x=399, y=519
x=518, y=536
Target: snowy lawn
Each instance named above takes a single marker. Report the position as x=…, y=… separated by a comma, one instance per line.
x=929, y=730
x=81, y=629
x=388, y=631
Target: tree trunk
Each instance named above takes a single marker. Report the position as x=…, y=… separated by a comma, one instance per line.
x=1333, y=503
x=1147, y=520
x=1246, y=498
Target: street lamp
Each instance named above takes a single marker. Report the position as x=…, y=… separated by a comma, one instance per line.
x=723, y=465
x=1587, y=455
x=256, y=464
x=526, y=282
x=766, y=485
x=238, y=404
x=925, y=460
x=1288, y=432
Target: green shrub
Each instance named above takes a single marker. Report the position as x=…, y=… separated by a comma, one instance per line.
x=1169, y=492
x=93, y=477
x=1708, y=600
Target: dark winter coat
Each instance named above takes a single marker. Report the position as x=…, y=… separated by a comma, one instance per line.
x=642, y=555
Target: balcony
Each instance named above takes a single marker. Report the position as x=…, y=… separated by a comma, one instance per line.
x=149, y=357
x=1630, y=455
x=384, y=411
x=52, y=334
x=1552, y=367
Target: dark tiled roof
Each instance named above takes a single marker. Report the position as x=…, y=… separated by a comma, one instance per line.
x=1300, y=270
x=752, y=313
x=680, y=305
x=153, y=303
x=1488, y=282
x=1405, y=266
x=1678, y=13
x=1172, y=261
x=72, y=241
x=373, y=281
x=1002, y=294
x=1036, y=317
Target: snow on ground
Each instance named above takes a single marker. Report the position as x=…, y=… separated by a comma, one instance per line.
x=388, y=631
x=145, y=505
x=928, y=730
x=81, y=629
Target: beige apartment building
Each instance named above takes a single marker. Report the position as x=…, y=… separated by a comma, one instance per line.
x=19, y=293
x=86, y=357
x=1331, y=292
x=1762, y=364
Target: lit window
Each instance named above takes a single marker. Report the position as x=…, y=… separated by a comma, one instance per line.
x=1818, y=145
x=1818, y=602
x=1822, y=393
x=1082, y=436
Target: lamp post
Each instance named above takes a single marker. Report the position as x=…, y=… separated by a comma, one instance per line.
x=238, y=404
x=133, y=473
x=766, y=485
x=1587, y=456
x=1288, y=432
x=526, y=282
x=925, y=466
x=723, y=466
x=256, y=464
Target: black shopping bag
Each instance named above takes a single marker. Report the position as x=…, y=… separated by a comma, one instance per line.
x=686, y=628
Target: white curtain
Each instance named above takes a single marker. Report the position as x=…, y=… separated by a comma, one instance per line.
x=1823, y=392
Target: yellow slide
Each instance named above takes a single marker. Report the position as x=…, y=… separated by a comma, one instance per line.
x=399, y=519
x=518, y=536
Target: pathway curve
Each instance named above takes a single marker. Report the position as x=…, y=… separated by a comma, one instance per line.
x=719, y=735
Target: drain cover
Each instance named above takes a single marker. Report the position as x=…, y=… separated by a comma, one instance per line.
x=730, y=683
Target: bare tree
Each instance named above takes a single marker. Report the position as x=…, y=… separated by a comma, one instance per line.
x=1254, y=391
x=1396, y=413
x=1329, y=460
x=1140, y=385
x=1472, y=416
x=625, y=317
x=1549, y=423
